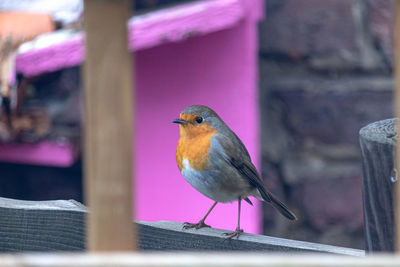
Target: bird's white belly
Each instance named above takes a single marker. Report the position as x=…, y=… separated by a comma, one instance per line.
x=206, y=184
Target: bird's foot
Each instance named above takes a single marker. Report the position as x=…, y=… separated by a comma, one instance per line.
x=236, y=234
x=198, y=225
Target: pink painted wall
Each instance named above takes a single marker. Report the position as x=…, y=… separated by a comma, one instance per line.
x=217, y=70
x=53, y=154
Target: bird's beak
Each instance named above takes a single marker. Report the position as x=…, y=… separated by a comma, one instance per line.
x=180, y=121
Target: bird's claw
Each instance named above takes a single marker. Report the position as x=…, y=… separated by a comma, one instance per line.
x=198, y=225
x=236, y=234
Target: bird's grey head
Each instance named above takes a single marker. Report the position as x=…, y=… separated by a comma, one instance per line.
x=199, y=114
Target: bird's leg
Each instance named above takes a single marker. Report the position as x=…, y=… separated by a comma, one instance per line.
x=201, y=223
x=238, y=231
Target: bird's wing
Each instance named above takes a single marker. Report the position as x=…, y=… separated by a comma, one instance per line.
x=236, y=154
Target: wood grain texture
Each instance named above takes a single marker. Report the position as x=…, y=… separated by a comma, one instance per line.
x=59, y=226
x=108, y=125
x=165, y=235
x=41, y=225
x=377, y=142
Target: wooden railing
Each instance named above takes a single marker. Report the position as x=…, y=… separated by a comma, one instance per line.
x=27, y=226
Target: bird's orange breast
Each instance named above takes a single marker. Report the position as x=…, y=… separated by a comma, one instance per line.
x=194, y=145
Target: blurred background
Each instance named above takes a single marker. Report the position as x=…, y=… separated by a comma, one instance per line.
x=324, y=71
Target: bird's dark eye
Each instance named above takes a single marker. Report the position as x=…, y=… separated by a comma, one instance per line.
x=199, y=119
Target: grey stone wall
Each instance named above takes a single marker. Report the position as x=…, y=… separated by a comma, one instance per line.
x=325, y=72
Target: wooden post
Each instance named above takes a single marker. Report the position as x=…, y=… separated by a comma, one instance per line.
x=397, y=98
x=378, y=148
x=108, y=125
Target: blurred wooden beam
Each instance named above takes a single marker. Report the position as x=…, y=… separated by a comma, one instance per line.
x=109, y=117
x=196, y=259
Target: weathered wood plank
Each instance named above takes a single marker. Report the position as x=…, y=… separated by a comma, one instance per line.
x=41, y=225
x=59, y=226
x=377, y=142
x=165, y=235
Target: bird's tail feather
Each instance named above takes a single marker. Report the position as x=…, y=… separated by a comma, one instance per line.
x=269, y=197
x=282, y=208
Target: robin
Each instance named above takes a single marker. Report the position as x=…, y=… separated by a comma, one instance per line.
x=215, y=162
